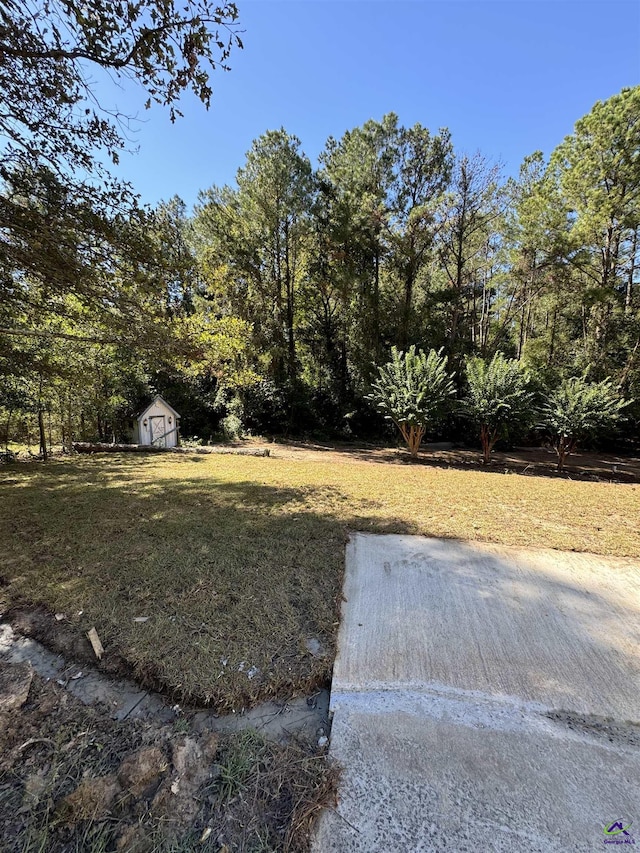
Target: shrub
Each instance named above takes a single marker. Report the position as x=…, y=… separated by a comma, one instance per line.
x=498, y=398
x=231, y=427
x=580, y=410
x=413, y=390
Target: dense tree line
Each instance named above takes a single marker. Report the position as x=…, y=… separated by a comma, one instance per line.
x=272, y=305
x=88, y=276
x=397, y=240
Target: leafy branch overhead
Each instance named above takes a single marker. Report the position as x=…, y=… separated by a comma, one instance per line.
x=50, y=50
x=81, y=261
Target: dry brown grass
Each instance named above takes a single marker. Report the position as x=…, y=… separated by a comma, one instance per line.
x=237, y=560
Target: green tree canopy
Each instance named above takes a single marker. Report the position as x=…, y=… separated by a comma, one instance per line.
x=578, y=410
x=66, y=227
x=251, y=242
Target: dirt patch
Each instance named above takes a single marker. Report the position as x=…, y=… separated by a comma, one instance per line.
x=300, y=718
x=72, y=778
x=65, y=638
x=62, y=637
x=143, y=771
x=15, y=683
x=532, y=461
x=605, y=728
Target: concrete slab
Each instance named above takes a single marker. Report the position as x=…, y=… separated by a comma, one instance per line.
x=484, y=698
x=546, y=626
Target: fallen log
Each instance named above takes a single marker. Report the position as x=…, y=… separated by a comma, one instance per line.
x=104, y=447
x=100, y=447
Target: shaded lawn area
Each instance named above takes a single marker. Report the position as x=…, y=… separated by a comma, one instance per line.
x=237, y=561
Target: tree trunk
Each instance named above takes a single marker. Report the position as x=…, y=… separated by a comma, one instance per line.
x=415, y=440
x=413, y=436
x=70, y=421
x=409, y=282
x=406, y=311
x=628, y=296
x=6, y=437
x=552, y=342
x=344, y=369
x=376, y=306
x=290, y=309
x=563, y=449
x=41, y=432
x=486, y=444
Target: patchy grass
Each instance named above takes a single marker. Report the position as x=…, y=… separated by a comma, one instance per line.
x=74, y=781
x=272, y=793
x=235, y=561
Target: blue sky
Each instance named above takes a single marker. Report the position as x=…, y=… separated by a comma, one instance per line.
x=506, y=78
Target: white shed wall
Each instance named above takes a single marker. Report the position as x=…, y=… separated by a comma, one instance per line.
x=169, y=429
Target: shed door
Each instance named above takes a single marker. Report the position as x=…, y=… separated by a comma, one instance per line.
x=158, y=430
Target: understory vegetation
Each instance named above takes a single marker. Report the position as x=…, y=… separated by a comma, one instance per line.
x=73, y=780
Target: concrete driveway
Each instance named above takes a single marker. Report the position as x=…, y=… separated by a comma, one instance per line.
x=485, y=699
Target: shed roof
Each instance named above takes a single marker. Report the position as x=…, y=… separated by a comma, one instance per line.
x=157, y=399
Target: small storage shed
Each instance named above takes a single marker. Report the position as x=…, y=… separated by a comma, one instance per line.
x=158, y=424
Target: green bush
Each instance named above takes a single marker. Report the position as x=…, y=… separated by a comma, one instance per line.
x=498, y=399
x=413, y=390
x=579, y=410
x=232, y=427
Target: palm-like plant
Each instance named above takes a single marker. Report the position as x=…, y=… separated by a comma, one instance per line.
x=580, y=410
x=413, y=390
x=497, y=398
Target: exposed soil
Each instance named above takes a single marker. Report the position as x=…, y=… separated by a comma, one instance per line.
x=61, y=655
x=64, y=639
x=72, y=778
x=532, y=461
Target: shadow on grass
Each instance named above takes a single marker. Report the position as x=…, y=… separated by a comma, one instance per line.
x=232, y=579
x=530, y=461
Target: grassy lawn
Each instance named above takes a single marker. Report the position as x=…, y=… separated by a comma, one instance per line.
x=237, y=561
